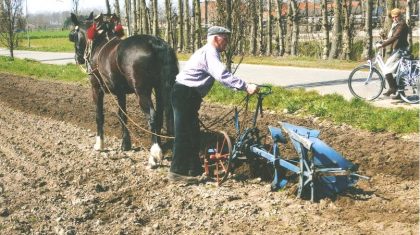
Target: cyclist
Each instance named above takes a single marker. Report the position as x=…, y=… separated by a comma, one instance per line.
x=397, y=37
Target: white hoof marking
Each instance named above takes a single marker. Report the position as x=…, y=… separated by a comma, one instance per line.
x=99, y=145
x=156, y=156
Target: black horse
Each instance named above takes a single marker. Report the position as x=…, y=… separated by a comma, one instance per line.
x=138, y=64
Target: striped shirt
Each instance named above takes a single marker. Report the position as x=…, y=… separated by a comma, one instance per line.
x=203, y=68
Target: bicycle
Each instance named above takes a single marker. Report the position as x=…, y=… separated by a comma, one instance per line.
x=367, y=81
x=408, y=80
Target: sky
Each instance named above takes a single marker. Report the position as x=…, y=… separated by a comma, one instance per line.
x=42, y=6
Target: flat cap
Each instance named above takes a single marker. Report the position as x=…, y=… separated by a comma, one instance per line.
x=213, y=30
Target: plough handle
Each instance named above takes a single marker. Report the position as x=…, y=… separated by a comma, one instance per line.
x=264, y=90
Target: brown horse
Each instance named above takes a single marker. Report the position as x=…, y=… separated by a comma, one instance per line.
x=138, y=64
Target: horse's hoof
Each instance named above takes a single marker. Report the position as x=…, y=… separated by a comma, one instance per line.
x=99, y=145
x=156, y=153
x=152, y=164
x=126, y=146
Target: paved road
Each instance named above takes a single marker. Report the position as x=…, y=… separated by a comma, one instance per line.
x=325, y=81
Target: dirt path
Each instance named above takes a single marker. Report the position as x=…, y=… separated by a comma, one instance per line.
x=51, y=180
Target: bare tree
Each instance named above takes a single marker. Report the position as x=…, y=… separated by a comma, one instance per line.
x=180, y=26
x=117, y=8
x=254, y=27
x=187, y=26
x=144, y=19
x=368, y=28
x=269, y=29
x=206, y=13
x=168, y=14
x=75, y=6
x=10, y=13
x=155, y=24
x=325, y=30
x=127, y=16
x=197, y=24
x=348, y=30
x=261, y=27
x=108, y=7
x=135, y=17
x=280, y=28
x=295, y=28
x=337, y=30
x=409, y=21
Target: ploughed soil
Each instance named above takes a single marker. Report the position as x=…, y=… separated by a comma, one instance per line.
x=53, y=182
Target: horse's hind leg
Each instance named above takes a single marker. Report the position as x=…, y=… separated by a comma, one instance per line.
x=122, y=111
x=154, y=118
x=98, y=99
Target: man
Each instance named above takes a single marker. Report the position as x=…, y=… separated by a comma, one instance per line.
x=397, y=37
x=192, y=84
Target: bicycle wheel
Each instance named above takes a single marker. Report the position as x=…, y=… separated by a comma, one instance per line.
x=364, y=84
x=410, y=93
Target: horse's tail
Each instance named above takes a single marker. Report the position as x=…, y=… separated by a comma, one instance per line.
x=169, y=70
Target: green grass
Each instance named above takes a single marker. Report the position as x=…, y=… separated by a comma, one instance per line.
x=47, y=34
x=66, y=73
x=333, y=107
x=47, y=44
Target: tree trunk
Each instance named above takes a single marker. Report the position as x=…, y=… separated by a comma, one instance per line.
x=168, y=14
x=127, y=16
x=144, y=19
x=289, y=28
x=230, y=51
x=187, y=26
x=135, y=17
x=280, y=30
x=337, y=31
x=325, y=30
x=390, y=4
x=108, y=7
x=409, y=21
x=269, y=29
x=197, y=23
x=295, y=33
x=261, y=27
x=229, y=14
x=117, y=8
x=307, y=15
x=367, y=52
x=254, y=28
x=180, y=27
x=348, y=29
x=206, y=13
x=155, y=18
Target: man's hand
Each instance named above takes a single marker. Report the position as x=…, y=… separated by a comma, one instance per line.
x=252, y=89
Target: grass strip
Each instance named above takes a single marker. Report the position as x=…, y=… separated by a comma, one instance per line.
x=357, y=113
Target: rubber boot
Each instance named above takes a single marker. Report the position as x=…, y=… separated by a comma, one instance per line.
x=392, y=85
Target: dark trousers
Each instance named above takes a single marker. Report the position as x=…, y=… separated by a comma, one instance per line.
x=186, y=102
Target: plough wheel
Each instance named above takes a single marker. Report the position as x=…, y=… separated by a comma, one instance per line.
x=217, y=161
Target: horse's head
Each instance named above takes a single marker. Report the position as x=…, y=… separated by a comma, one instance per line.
x=78, y=37
x=94, y=30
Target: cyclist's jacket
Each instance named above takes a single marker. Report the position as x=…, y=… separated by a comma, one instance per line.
x=398, y=38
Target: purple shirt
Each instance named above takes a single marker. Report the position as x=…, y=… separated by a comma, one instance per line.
x=203, y=67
